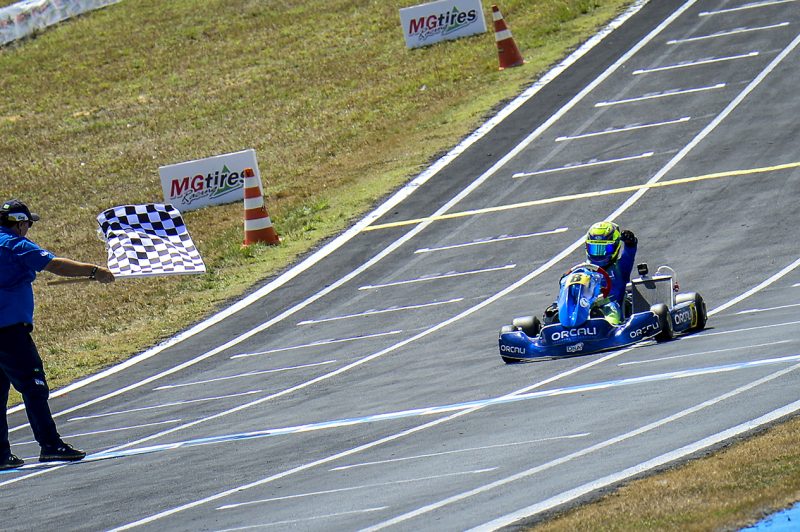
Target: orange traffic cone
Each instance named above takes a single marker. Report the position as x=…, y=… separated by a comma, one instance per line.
x=257, y=225
x=506, y=47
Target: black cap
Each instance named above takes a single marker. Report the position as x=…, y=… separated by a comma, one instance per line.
x=16, y=211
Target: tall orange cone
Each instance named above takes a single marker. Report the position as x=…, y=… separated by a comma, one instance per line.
x=257, y=225
x=506, y=47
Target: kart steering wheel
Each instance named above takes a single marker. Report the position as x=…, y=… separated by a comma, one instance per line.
x=605, y=290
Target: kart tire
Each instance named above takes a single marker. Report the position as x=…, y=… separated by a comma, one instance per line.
x=664, y=319
x=530, y=325
x=700, y=308
x=507, y=329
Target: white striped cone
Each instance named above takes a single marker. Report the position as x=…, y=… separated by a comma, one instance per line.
x=257, y=225
x=506, y=47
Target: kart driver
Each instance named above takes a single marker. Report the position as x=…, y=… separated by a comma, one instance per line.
x=615, y=252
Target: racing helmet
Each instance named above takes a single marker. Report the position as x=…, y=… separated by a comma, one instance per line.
x=603, y=243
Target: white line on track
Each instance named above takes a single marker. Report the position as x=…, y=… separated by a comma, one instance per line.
x=665, y=94
x=305, y=519
x=438, y=276
x=247, y=374
x=728, y=33
x=318, y=343
x=795, y=285
x=756, y=310
x=787, y=269
x=361, y=487
x=753, y=5
x=457, y=451
x=502, y=238
x=675, y=160
x=705, y=334
x=726, y=350
x=694, y=63
x=584, y=165
x=625, y=129
x=107, y=431
x=165, y=405
x=383, y=311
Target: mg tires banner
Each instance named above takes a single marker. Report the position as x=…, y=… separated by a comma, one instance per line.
x=212, y=181
x=440, y=21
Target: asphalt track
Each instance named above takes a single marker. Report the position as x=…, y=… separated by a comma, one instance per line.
x=367, y=391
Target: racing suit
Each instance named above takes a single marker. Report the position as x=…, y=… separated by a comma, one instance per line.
x=620, y=273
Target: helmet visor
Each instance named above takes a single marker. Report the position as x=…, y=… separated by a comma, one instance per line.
x=600, y=248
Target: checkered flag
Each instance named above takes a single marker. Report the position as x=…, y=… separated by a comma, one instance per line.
x=145, y=240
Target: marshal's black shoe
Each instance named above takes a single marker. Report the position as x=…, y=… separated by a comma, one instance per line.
x=61, y=453
x=10, y=461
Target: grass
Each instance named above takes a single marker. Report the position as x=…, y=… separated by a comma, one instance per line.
x=339, y=113
x=731, y=488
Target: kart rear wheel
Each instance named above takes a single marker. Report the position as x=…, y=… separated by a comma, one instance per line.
x=664, y=319
x=507, y=329
x=700, y=308
x=530, y=325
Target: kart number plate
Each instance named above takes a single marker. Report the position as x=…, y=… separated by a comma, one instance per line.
x=579, y=278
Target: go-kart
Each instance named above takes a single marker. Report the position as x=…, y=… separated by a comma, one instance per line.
x=651, y=310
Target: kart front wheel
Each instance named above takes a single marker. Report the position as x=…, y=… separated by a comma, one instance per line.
x=662, y=312
x=530, y=325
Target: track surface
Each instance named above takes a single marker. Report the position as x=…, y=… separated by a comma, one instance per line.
x=368, y=392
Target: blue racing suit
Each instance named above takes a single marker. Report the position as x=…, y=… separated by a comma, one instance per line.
x=620, y=273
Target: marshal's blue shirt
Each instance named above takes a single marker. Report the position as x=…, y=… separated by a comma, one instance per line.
x=20, y=261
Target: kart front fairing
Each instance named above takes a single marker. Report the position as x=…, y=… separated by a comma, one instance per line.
x=591, y=336
x=577, y=293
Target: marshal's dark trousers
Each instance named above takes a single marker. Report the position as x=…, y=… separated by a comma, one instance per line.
x=21, y=366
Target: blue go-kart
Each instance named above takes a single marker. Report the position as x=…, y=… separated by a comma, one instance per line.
x=651, y=310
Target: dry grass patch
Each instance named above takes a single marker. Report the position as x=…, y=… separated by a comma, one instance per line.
x=726, y=490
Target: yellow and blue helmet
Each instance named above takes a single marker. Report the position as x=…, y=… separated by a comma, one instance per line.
x=603, y=243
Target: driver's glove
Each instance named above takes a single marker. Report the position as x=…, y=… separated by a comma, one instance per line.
x=629, y=238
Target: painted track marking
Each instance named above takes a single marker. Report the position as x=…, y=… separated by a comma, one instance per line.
x=589, y=195
x=756, y=310
x=438, y=276
x=305, y=519
x=726, y=350
x=107, y=431
x=728, y=33
x=694, y=63
x=247, y=374
x=665, y=94
x=382, y=311
x=165, y=405
x=625, y=129
x=753, y=5
x=745, y=329
x=355, y=488
x=317, y=344
x=493, y=240
x=458, y=451
x=589, y=164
